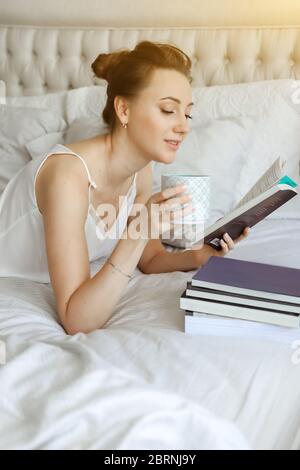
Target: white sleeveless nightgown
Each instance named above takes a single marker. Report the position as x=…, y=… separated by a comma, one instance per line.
x=22, y=242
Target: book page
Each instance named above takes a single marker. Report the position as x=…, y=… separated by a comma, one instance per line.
x=268, y=179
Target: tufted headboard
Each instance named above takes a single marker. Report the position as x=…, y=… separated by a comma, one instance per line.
x=42, y=59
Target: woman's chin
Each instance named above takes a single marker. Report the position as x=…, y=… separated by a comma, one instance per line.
x=167, y=158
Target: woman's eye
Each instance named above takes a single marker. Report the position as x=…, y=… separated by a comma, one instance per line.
x=171, y=112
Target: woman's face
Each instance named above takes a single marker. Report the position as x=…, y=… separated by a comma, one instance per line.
x=159, y=115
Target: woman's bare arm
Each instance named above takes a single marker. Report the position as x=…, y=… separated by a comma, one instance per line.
x=83, y=303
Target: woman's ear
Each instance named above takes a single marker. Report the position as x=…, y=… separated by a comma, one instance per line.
x=121, y=106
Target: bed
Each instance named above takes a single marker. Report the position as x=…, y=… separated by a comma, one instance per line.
x=141, y=382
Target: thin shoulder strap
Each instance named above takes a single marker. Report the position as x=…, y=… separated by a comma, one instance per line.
x=92, y=183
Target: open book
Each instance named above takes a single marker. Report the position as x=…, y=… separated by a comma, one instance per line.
x=270, y=192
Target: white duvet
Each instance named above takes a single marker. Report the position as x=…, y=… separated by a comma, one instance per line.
x=142, y=383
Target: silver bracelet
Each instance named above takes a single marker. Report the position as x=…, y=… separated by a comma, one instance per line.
x=122, y=272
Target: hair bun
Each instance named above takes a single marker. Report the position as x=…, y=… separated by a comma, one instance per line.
x=104, y=64
x=128, y=72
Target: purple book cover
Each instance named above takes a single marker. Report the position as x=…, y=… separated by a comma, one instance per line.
x=250, y=275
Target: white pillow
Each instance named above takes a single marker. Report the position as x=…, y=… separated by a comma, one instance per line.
x=250, y=99
x=277, y=133
x=85, y=102
x=246, y=99
x=55, y=102
x=2, y=93
x=242, y=99
x=18, y=126
x=79, y=129
x=85, y=128
x=44, y=143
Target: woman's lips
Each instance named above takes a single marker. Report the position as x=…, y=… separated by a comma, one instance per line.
x=173, y=144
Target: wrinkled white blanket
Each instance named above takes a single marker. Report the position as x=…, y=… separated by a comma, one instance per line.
x=141, y=383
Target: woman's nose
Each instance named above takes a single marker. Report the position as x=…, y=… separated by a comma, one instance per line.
x=182, y=125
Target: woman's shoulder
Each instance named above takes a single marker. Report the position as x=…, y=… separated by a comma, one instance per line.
x=70, y=162
x=58, y=171
x=62, y=165
x=61, y=180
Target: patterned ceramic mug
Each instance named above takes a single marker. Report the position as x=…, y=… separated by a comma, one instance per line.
x=198, y=186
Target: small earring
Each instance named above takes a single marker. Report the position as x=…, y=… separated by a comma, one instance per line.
x=124, y=124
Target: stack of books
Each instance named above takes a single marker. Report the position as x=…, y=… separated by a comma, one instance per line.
x=242, y=290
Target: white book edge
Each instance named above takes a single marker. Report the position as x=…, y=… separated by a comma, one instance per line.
x=244, y=290
x=202, y=324
x=240, y=300
x=243, y=313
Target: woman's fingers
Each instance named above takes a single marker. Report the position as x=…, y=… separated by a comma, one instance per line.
x=176, y=214
x=168, y=193
x=228, y=240
x=243, y=235
x=225, y=248
x=228, y=244
x=174, y=203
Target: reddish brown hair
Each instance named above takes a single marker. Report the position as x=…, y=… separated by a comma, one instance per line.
x=127, y=72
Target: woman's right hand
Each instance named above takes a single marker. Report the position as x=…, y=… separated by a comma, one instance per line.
x=166, y=206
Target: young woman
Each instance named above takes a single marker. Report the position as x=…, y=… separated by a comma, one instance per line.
x=48, y=209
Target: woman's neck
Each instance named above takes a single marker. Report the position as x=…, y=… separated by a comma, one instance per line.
x=122, y=159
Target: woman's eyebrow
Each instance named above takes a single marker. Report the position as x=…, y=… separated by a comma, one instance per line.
x=174, y=99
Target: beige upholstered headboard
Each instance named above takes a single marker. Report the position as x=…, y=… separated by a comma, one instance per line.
x=42, y=58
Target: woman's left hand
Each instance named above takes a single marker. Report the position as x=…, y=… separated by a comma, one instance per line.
x=203, y=254
x=228, y=244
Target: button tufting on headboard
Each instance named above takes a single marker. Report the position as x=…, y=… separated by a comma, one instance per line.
x=219, y=56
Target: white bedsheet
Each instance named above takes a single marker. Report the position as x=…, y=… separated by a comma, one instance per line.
x=141, y=382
